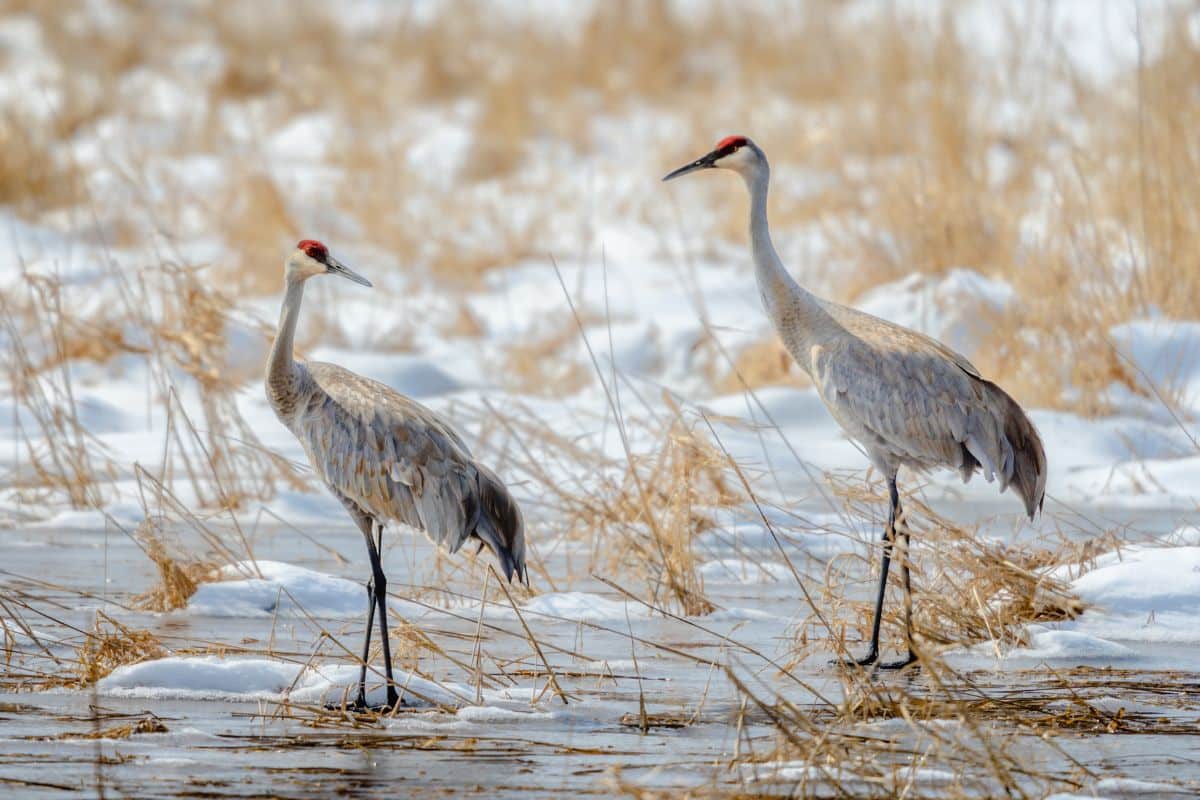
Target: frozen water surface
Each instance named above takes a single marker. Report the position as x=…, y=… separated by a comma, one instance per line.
x=242, y=694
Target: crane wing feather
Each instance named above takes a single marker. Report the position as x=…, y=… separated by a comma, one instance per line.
x=910, y=400
x=397, y=460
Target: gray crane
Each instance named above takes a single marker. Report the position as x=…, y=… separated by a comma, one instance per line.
x=906, y=398
x=385, y=457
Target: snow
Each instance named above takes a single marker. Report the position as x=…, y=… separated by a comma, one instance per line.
x=202, y=677
x=575, y=606
x=1138, y=595
x=1144, y=579
x=1166, y=354
x=738, y=570
x=958, y=308
x=283, y=590
x=1118, y=788
x=493, y=715
x=415, y=376
x=1131, y=786
x=661, y=305
x=1142, y=593
x=1073, y=646
x=254, y=679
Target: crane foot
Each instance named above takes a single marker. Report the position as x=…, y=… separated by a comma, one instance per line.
x=901, y=664
x=866, y=661
x=361, y=706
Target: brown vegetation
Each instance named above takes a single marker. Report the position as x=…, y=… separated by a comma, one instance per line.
x=1086, y=206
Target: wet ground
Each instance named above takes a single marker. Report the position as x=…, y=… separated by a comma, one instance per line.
x=1138, y=719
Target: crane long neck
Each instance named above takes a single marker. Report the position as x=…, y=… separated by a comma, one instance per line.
x=798, y=315
x=282, y=375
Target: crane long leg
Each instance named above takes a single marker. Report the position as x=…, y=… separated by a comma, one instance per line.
x=367, y=525
x=380, y=582
x=908, y=607
x=360, y=701
x=889, y=536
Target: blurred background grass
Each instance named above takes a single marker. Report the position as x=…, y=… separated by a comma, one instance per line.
x=462, y=138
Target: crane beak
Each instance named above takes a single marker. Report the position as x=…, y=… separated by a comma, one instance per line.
x=707, y=162
x=338, y=268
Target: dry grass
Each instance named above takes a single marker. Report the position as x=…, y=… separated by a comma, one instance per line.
x=1088, y=207
x=62, y=458
x=110, y=645
x=146, y=724
x=968, y=588
x=1085, y=206
x=33, y=175
x=765, y=363
x=178, y=576
x=640, y=516
x=541, y=365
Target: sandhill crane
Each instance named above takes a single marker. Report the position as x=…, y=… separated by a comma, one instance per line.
x=907, y=399
x=385, y=457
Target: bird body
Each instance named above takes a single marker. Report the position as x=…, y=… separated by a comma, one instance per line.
x=906, y=398
x=386, y=457
x=397, y=461
x=912, y=402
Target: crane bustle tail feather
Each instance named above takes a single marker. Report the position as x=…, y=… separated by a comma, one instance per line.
x=1028, y=457
x=500, y=525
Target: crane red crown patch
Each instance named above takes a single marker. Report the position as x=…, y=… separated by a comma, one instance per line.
x=733, y=142
x=313, y=249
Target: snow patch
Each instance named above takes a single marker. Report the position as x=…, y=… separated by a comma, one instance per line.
x=202, y=677
x=255, y=679
x=1064, y=645
x=582, y=606
x=285, y=590
x=413, y=376
x=1144, y=579
x=1166, y=353
x=739, y=570
x=957, y=308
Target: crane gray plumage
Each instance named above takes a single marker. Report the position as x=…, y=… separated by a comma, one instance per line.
x=386, y=457
x=906, y=398
x=911, y=401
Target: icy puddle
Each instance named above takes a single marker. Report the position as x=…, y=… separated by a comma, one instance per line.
x=235, y=701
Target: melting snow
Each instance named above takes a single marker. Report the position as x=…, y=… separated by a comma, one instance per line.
x=286, y=590
x=252, y=679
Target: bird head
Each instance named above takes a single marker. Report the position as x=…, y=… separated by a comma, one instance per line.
x=312, y=258
x=737, y=153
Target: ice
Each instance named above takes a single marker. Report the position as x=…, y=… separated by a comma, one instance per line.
x=1132, y=786
x=283, y=590
x=662, y=286
x=573, y=606
x=1072, y=646
x=737, y=570
x=203, y=677
x=215, y=678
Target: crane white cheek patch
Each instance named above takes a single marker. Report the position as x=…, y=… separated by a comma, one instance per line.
x=740, y=159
